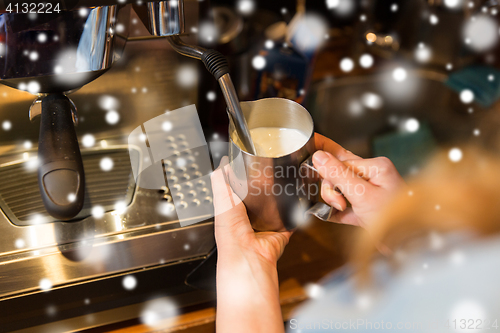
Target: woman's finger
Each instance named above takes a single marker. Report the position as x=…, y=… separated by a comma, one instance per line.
x=323, y=143
x=346, y=217
x=379, y=171
x=332, y=197
x=224, y=197
x=229, y=210
x=342, y=177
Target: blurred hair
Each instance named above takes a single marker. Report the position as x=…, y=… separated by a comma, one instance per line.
x=446, y=196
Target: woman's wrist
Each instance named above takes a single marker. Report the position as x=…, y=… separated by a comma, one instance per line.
x=250, y=270
x=232, y=264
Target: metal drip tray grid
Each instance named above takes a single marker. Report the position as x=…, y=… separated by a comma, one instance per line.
x=20, y=197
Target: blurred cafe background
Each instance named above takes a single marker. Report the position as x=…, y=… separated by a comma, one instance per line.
x=395, y=78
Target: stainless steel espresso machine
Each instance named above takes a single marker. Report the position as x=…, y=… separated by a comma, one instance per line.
x=62, y=264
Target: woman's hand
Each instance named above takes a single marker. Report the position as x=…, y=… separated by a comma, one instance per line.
x=233, y=232
x=247, y=279
x=368, y=184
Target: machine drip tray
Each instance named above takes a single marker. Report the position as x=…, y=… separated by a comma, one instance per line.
x=20, y=197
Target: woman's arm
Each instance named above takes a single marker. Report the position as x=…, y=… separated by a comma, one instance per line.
x=247, y=295
x=247, y=279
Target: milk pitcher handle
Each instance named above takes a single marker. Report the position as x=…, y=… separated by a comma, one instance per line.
x=310, y=175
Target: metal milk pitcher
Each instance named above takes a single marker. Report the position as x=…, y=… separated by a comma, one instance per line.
x=278, y=192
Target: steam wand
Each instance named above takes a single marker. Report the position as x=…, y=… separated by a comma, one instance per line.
x=217, y=65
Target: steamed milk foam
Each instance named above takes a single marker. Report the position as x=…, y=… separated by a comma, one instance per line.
x=276, y=141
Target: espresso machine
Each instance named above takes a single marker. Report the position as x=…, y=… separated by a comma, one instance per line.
x=69, y=49
x=62, y=263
